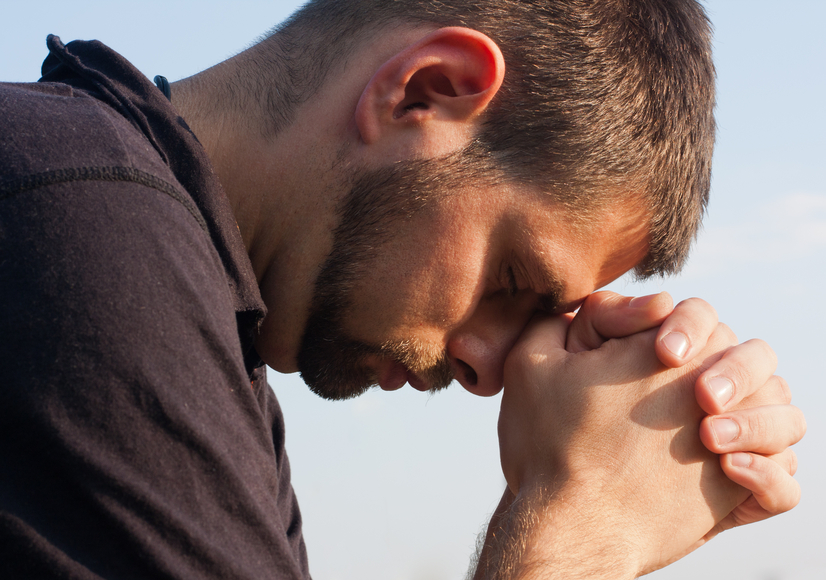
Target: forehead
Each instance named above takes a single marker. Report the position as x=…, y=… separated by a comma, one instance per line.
x=573, y=253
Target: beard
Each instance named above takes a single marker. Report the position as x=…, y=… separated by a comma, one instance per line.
x=332, y=363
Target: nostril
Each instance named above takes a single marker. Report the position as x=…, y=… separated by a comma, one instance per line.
x=470, y=375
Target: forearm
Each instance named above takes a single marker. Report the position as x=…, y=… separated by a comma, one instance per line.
x=501, y=555
x=541, y=535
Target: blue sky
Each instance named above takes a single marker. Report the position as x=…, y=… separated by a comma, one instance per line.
x=397, y=485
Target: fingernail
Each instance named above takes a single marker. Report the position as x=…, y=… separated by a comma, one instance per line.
x=641, y=301
x=722, y=388
x=677, y=343
x=725, y=430
x=741, y=459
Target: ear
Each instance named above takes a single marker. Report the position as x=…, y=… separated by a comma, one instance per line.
x=425, y=100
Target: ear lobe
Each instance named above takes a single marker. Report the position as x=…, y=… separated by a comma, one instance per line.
x=437, y=87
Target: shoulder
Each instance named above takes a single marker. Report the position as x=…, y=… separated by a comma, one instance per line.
x=92, y=219
x=51, y=125
x=52, y=133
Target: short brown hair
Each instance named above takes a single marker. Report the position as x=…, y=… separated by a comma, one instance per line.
x=601, y=98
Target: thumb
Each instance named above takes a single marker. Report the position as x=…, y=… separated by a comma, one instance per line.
x=541, y=343
x=605, y=315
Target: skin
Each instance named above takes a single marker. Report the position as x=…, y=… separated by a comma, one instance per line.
x=442, y=280
x=617, y=414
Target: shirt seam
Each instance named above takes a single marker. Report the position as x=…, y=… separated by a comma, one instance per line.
x=17, y=186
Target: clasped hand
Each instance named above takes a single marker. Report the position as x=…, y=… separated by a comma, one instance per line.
x=649, y=427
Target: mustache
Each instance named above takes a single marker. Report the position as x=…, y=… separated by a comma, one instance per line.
x=429, y=362
x=333, y=365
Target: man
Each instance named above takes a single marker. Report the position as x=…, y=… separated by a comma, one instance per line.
x=405, y=210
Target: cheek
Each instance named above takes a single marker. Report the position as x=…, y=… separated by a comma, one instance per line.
x=421, y=283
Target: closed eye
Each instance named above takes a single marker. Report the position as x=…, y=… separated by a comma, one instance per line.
x=512, y=286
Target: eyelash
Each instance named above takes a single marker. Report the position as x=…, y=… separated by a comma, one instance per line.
x=511, y=286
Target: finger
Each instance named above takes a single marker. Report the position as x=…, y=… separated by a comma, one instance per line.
x=685, y=332
x=768, y=478
x=750, y=510
x=541, y=342
x=741, y=371
x=747, y=512
x=775, y=391
x=606, y=315
x=787, y=460
x=769, y=429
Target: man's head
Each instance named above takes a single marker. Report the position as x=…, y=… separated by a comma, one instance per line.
x=500, y=157
x=433, y=274
x=599, y=96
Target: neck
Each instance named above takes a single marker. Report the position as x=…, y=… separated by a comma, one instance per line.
x=222, y=133
x=282, y=193
x=283, y=185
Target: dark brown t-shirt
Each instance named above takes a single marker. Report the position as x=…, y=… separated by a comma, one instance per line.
x=138, y=435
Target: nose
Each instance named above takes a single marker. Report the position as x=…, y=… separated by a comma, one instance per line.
x=478, y=349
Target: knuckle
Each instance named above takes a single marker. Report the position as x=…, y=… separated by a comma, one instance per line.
x=759, y=426
x=772, y=478
x=801, y=422
x=696, y=315
x=791, y=465
x=591, y=301
x=604, y=295
x=719, y=342
x=781, y=492
x=785, y=390
x=593, y=308
x=698, y=304
x=745, y=366
x=784, y=504
x=598, y=305
x=726, y=333
x=765, y=351
x=788, y=498
x=600, y=300
x=773, y=487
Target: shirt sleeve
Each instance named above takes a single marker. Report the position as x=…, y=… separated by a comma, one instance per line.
x=132, y=441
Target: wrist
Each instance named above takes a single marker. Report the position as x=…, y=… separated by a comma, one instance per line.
x=555, y=535
x=576, y=538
